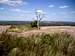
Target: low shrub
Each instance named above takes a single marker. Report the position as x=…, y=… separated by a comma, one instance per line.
x=21, y=28
x=34, y=24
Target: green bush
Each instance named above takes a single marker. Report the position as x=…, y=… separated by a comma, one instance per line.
x=21, y=28
x=34, y=24
x=57, y=44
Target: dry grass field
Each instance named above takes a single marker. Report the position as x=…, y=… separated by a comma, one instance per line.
x=51, y=29
x=48, y=41
x=4, y=28
x=44, y=29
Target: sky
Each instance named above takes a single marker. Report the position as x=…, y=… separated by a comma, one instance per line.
x=25, y=10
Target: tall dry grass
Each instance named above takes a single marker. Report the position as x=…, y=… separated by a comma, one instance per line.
x=57, y=44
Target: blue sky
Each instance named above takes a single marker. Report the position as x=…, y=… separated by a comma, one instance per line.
x=24, y=10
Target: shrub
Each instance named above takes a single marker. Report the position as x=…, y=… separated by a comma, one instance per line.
x=21, y=28
x=34, y=24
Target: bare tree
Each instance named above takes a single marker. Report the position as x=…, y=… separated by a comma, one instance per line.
x=39, y=16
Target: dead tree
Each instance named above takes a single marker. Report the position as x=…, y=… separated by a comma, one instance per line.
x=39, y=17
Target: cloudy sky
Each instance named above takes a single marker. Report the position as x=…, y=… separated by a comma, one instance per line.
x=24, y=10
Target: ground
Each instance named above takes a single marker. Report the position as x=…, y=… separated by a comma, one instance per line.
x=45, y=29
x=4, y=28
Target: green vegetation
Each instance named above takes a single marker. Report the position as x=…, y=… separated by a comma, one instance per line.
x=21, y=28
x=34, y=24
x=57, y=44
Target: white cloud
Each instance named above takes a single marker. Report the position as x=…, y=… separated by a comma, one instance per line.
x=63, y=6
x=12, y=2
x=16, y=10
x=21, y=11
x=39, y=11
x=51, y=6
x=1, y=8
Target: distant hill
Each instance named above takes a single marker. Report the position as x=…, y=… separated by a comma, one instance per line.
x=43, y=23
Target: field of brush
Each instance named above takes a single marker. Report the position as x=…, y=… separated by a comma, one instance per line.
x=48, y=41
x=27, y=30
